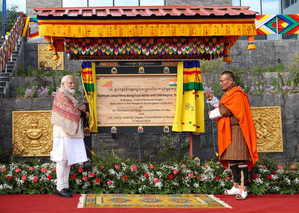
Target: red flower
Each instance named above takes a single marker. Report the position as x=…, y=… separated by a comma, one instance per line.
x=207, y=166
x=255, y=176
x=109, y=182
x=269, y=177
x=274, y=172
x=3, y=170
x=8, y=177
x=73, y=176
x=279, y=167
x=156, y=180
x=264, y=166
x=31, y=168
x=227, y=178
x=184, y=178
x=175, y=171
x=98, y=180
x=54, y=169
x=217, y=178
x=102, y=167
x=23, y=177
x=49, y=177
x=190, y=175
x=84, y=178
x=151, y=166
x=140, y=183
x=80, y=170
x=35, y=179
x=199, y=177
x=117, y=166
x=170, y=176
x=183, y=166
x=18, y=170
x=288, y=171
x=249, y=180
x=133, y=167
x=44, y=170
x=124, y=178
x=292, y=167
x=145, y=175
x=91, y=174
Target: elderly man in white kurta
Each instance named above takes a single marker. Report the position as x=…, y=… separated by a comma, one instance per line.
x=68, y=144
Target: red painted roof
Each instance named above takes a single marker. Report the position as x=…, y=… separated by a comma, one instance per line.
x=145, y=11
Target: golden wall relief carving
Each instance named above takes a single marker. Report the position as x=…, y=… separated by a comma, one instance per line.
x=268, y=126
x=32, y=133
x=45, y=59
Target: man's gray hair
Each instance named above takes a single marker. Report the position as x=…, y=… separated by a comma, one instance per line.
x=64, y=79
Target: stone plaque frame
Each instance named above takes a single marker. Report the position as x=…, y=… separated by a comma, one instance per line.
x=268, y=125
x=32, y=133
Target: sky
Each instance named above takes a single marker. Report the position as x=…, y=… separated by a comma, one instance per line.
x=20, y=3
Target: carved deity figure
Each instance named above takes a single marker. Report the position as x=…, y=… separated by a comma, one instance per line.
x=34, y=133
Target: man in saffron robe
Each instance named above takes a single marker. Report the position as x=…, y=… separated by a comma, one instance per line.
x=68, y=144
x=236, y=133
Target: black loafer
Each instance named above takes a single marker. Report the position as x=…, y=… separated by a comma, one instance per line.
x=63, y=193
x=70, y=190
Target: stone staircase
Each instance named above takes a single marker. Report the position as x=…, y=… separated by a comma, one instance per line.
x=7, y=73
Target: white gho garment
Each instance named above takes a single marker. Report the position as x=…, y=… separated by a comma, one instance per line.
x=214, y=102
x=70, y=149
x=214, y=114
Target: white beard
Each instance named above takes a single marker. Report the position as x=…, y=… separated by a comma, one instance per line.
x=69, y=90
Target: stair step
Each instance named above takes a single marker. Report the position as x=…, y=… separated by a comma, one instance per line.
x=3, y=84
x=4, y=74
x=2, y=89
x=5, y=79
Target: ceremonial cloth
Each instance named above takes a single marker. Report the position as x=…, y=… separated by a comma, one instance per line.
x=237, y=102
x=65, y=112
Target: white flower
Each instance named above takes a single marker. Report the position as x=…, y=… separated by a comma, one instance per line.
x=274, y=177
x=159, y=174
x=258, y=181
x=2, y=166
x=84, y=173
x=124, y=166
x=78, y=181
x=296, y=181
x=175, y=183
x=288, y=181
x=159, y=184
x=86, y=185
x=276, y=188
x=196, y=185
x=111, y=171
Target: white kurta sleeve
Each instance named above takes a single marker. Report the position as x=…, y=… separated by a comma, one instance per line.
x=215, y=114
x=214, y=102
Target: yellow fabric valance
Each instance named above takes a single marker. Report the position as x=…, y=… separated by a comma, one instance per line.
x=138, y=28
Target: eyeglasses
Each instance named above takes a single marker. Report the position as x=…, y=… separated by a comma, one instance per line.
x=221, y=81
x=70, y=83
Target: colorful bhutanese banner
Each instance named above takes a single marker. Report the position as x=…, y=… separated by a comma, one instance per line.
x=189, y=115
x=88, y=75
x=173, y=83
x=25, y=32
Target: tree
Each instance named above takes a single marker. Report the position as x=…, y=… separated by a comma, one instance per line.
x=10, y=18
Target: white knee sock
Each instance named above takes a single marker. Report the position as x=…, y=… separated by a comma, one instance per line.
x=66, y=176
x=60, y=172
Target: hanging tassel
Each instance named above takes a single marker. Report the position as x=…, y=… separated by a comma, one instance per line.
x=251, y=45
x=226, y=57
x=49, y=42
x=56, y=56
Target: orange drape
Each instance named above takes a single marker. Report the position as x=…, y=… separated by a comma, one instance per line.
x=237, y=102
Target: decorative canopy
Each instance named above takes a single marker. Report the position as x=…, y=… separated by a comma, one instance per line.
x=66, y=28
